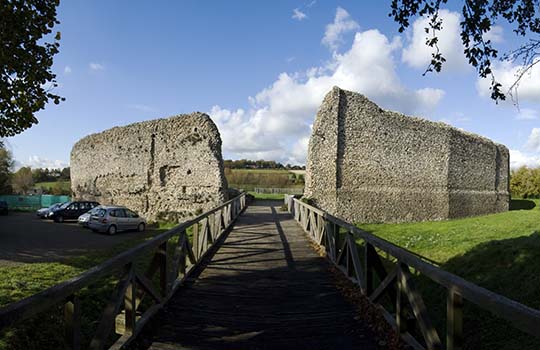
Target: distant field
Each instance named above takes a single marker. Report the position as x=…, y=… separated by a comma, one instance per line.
x=499, y=252
x=272, y=196
x=260, y=171
x=249, y=179
x=64, y=185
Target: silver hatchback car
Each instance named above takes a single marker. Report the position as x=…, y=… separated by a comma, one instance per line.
x=111, y=219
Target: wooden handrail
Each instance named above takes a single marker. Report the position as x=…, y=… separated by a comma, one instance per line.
x=208, y=227
x=323, y=228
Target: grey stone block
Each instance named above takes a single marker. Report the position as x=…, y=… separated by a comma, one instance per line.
x=167, y=169
x=369, y=165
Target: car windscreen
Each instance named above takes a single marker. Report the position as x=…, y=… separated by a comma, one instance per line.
x=100, y=213
x=65, y=205
x=94, y=211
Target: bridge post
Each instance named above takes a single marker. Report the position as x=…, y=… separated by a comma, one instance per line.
x=401, y=321
x=162, y=263
x=454, y=327
x=72, y=323
x=368, y=264
x=196, y=243
x=130, y=304
x=331, y=239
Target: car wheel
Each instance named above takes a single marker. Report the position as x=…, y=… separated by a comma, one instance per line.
x=141, y=227
x=111, y=230
x=59, y=219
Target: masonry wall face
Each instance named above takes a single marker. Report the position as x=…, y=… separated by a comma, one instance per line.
x=167, y=169
x=369, y=165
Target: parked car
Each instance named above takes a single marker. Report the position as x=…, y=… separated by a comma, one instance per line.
x=44, y=212
x=84, y=219
x=111, y=219
x=4, y=208
x=71, y=210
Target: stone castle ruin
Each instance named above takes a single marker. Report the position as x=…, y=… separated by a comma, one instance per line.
x=369, y=165
x=168, y=169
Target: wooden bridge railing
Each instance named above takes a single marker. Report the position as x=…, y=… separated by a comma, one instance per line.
x=172, y=261
x=338, y=238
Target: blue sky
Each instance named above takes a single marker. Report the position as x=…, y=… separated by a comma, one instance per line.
x=260, y=69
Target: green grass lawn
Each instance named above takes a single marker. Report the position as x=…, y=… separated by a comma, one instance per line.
x=500, y=252
x=22, y=280
x=272, y=196
x=444, y=240
x=64, y=185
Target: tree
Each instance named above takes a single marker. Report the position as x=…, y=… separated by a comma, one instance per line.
x=478, y=18
x=6, y=164
x=22, y=180
x=40, y=174
x=65, y=174
x=26, y=77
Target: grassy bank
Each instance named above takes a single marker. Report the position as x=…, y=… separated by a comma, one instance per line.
x=500, y=252
x=63, y=185
x=20, y=281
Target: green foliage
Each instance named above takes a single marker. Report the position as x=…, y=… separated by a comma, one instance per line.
x=248, y=179
x=478, y=19
x=525, y=182
x=26, y=59
x=22, y=180
x=258, y=164
x=308, y=201
x=50, y=175
x=6, y=164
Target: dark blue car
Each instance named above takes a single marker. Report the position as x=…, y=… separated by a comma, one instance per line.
x=71, y=210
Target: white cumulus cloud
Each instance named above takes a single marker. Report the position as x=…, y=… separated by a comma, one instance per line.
x=418, y=55
x=40, y=162
x=519, y=159
x=506, y=73
x=278, y=123
x=495, y=34
x=96, y=66
x=533, y=142
x=298, y=15
x=343, y=23
x=530, y=154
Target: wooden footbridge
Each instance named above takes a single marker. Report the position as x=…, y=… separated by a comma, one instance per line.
x=253, y=277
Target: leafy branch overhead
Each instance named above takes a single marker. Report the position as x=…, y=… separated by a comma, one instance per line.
x=26, y=58
x=479, y=16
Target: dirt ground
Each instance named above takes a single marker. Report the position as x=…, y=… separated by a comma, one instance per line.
x=24, y=238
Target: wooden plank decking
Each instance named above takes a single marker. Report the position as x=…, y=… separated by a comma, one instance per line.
x=265, y=288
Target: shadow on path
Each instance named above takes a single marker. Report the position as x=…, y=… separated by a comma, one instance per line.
x=265, y=288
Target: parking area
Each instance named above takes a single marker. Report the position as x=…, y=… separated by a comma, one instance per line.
x=24, y=238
